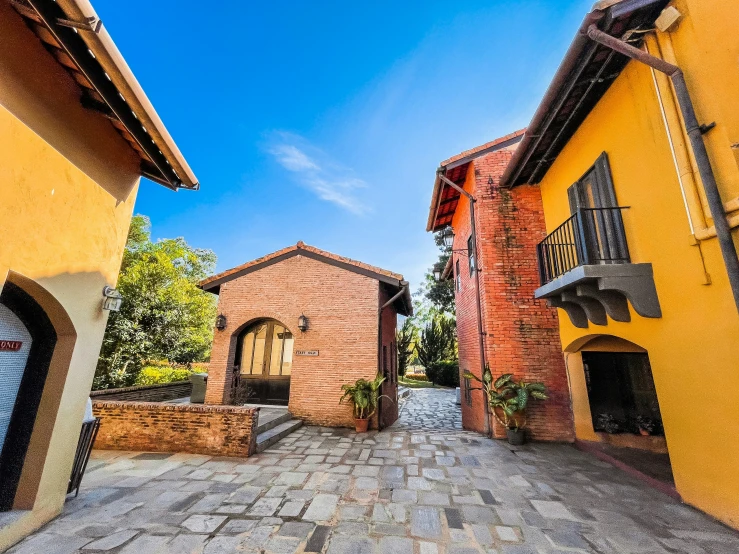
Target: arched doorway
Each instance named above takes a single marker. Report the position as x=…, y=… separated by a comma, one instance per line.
x=27, y=341
x=264, y=358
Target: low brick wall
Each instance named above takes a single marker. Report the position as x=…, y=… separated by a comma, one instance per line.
x=195, y=429
x=146, y=393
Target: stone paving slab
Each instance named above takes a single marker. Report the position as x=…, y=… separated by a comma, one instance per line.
x=423, y=486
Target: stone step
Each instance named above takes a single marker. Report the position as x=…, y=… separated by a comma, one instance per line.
x=272, y=422
x=268, y=438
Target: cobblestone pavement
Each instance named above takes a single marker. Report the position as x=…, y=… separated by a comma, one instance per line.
x=402, y=491
x=430, y=410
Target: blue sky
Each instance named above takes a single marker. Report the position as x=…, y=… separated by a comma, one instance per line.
x=325, y=121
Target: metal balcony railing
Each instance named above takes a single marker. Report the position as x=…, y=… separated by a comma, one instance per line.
x=591, y=236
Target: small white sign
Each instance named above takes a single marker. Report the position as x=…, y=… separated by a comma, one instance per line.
x=306, y=352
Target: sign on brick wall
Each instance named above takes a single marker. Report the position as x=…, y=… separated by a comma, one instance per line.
x=306, y=352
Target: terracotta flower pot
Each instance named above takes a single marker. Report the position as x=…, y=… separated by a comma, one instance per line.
x=361, y=425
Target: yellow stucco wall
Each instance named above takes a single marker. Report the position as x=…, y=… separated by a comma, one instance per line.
x=696, y=340
x=68, y=183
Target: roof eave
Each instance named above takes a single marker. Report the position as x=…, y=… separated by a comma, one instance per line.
x=603, y=14
x=104, y=50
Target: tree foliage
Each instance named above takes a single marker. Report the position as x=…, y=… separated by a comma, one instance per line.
x=434, y=298
x=164, y=315
x=404, y=339
x=437, y=344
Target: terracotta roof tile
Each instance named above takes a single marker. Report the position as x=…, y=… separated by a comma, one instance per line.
x=301, y=246
x=485, y=146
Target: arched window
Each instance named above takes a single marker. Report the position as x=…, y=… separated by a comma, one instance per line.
x=265, y=349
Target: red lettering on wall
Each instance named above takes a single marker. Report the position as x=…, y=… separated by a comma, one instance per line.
x=10, y=345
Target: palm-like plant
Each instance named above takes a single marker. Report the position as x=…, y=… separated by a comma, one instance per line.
x=508, y=397
x=364, y=395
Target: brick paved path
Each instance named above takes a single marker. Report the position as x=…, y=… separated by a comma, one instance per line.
x=401, y=491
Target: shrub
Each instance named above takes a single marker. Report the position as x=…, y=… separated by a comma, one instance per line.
x=416, y=377
x=444, y=373
x=159, y=374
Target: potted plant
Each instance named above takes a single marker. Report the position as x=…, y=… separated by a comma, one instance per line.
x=607, y=423
x=646, y=425
x=508, y=400
x=364, y=396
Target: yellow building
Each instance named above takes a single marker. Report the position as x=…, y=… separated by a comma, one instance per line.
x=76, y=134
x=641, y=201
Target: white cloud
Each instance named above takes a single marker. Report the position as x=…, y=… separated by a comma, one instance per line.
x=293, y=159
x=328, y=180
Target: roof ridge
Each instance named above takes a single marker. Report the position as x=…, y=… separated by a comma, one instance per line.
x=300, y=245
x=476, y=149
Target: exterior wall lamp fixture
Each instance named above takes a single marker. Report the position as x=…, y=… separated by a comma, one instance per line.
x=112, y=299
x=303, y=323
x=448, y=236
x=221, y=322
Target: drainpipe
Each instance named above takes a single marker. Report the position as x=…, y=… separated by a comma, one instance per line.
x=480, y=333
x=404, y=288
x=695, y=134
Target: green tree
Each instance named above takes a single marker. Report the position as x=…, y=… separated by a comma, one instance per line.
x=404, y=340
x=440, y=293
x=437, y=344
x=164, y=315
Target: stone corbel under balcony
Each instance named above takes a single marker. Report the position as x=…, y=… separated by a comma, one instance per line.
x=590, y=293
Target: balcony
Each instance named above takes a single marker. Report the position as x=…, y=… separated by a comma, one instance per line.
x=585, y=268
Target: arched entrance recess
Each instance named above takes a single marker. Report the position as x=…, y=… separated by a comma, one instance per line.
x=264, y=358
x=614, y=397
x=27, y=342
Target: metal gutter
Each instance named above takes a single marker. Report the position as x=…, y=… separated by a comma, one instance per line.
x=129, y=102
x=478, y=300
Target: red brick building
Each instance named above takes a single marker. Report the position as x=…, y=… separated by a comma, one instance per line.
x=351, y=313
x=519, y=334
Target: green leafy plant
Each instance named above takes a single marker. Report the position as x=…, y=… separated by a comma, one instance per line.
x=155, y=375
x=364, y=396
x=437, y=344
x=608, y=423
x=508, y=398
x=404, y=340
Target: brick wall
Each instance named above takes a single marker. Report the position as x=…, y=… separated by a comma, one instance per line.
x=195, y=429
x=521, y=333
x=146, y=393
x=341, y=307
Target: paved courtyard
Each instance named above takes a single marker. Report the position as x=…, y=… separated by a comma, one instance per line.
x=407, y=490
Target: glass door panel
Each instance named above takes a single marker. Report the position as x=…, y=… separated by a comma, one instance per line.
x=259, y=349
x=278, y=336
x=287, y=354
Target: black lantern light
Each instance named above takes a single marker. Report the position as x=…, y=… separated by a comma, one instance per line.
x=303, y=323
x=437, y=272
x=448, y=236
x=221, y=322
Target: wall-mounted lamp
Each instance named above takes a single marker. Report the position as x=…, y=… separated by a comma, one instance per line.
x=303, y=323
x=112, y=299
x=221, y=322
x=438, y=270
x=448, y=236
